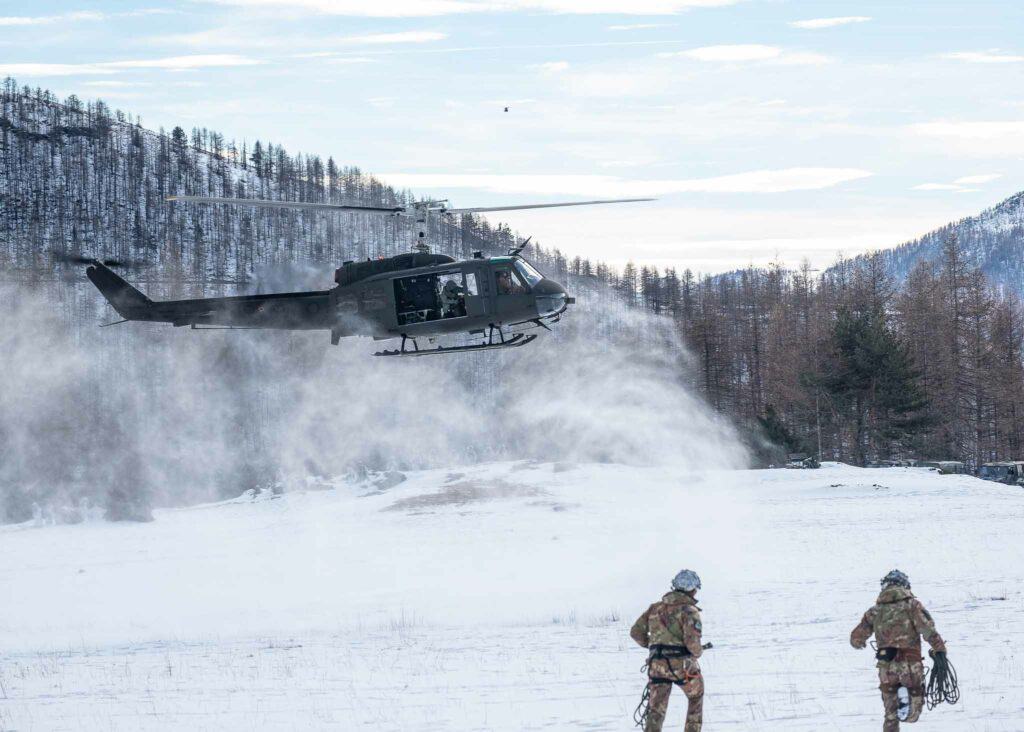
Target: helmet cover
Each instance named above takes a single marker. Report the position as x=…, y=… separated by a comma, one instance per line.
x=686, y=581
x=897, y=578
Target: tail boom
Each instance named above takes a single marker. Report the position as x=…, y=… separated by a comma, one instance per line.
x=129, y=303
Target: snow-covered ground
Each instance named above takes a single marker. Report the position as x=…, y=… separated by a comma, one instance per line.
x=500, y=597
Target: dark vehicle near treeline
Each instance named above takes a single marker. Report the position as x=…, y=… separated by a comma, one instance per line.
x=1010, y=472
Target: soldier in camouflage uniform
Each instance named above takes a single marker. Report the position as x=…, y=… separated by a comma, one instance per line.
x=898, y=621
x=671, y=629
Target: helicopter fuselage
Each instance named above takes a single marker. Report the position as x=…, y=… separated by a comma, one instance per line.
x=381, y=299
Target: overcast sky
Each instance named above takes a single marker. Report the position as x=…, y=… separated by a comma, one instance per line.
x=768, y=129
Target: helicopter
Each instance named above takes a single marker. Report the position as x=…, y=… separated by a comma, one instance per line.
x=416, y=296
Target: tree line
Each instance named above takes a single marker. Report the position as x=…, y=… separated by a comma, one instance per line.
x=851, y=364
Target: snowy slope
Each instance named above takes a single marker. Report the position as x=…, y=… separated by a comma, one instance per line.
x=500, y=597
x=993, y=240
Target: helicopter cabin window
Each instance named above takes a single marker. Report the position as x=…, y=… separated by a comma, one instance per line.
x=433, y=296
x=529, y=272
x=508, y=282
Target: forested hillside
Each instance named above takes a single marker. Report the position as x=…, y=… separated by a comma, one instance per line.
x=78, y=177
x=990, y=241
x=914, y=352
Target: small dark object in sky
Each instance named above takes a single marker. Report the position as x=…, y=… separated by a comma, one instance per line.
x=506, y=109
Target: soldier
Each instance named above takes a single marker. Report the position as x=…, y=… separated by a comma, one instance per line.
x=898, y=621
x=671, y=629
x=453, y=299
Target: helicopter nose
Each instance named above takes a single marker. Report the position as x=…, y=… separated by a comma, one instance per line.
x=552, y=298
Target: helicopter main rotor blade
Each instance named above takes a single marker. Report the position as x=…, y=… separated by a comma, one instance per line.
x=263, y=203
x=80, y=259
x=486, y=209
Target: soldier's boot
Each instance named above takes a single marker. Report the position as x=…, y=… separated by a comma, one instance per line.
x=657, y=706
x=916, y=705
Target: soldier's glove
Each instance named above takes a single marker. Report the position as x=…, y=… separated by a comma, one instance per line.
x=860, y=646
x=937, y=654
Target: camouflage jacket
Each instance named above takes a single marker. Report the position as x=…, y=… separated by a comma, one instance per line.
x=898, y=620
x=672, y=621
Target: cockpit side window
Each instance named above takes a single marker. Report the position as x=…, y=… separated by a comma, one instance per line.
x=529, y=272
x=508, y=282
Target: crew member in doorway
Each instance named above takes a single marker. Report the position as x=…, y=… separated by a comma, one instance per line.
x=898, y=621
x=453, y=299
x=671, y=630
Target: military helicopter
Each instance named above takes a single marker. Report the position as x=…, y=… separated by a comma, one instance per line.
x=413, y=296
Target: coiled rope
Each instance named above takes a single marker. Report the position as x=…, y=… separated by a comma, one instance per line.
x=942, y=686
x=643, y=708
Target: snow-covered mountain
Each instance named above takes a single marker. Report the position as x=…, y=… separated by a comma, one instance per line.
x=500, y=596
x=992, y=240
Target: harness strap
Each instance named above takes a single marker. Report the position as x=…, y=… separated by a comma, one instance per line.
x=667, y=651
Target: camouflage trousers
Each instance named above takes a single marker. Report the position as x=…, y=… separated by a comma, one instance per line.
x=891, y=676
x=682, y=672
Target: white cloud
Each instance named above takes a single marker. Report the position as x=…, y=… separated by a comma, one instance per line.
x=744, y=52
x=115, y=84
x=347, y=60
x=992, y=56
x=974, y=180
x=975, y=139
x=964, y=184
x=366, y=8
x=201, y=61
x=53, y=69
x=229, y=38
x=425, y=8
x=175, y=63
x=372, y=39
x=611, y=7
x=757, y=181
x=552, y=67
x=818, y=23
x=750, y=52
x=803, y=58
x=22, y=20
x=79, y=15
x=636, y=26
x=970, y=130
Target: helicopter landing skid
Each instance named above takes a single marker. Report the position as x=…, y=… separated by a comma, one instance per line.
x=516, y=341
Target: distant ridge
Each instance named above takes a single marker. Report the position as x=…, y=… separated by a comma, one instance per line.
x=992, y=240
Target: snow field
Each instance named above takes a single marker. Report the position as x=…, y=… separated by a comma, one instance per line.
x=500, y=597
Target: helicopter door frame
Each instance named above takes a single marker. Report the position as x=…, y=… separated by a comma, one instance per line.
x=477, y=304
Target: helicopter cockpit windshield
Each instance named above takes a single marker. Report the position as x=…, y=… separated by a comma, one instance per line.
x=528, y=272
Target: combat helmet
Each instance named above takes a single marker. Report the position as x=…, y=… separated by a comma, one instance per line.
x=686, y=581
x=896, y=578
